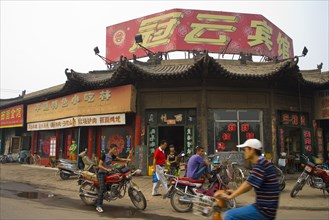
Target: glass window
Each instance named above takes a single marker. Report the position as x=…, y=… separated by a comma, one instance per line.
x=226, y=137
x=249, y=130
x=233, y=127
x=44, y=143
x=249, y=115
x=225, y=115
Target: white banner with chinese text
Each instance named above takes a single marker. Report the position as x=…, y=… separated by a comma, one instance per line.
x=92, y=120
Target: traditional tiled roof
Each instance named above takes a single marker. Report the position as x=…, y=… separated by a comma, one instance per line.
x=316, y=77
x=126, y=72
x=33, y=96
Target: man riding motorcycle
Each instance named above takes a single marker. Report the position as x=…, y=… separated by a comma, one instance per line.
x=104, y=167
x=263, y=178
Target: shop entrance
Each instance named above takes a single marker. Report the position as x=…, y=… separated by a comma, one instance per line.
x=292, y=141
x=173, y=135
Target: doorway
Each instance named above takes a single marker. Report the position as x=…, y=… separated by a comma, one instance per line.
x=292, y=141
x=173, y=135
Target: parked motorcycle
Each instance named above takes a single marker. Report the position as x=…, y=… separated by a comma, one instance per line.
x=68, y=168
x=313, y=175
x=10, y=158
x=183, y=190
x=117, y=184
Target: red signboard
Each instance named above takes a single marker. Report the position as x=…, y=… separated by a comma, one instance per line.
x=12, y=117
x=186, y=30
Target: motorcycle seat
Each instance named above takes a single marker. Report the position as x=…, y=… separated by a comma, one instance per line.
x=67, y=161
x=89, y=175
x=192, y=180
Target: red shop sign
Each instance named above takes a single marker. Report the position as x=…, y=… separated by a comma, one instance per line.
x=12, y=117
x=187, y=30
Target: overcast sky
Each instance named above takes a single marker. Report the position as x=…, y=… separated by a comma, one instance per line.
x=40, y=39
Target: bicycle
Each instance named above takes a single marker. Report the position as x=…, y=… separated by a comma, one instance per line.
x=35, y=159
x=232, y=172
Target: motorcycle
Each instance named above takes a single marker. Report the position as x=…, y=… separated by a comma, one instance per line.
x=315, y=176
x=210, y=208
x=117, y=184
x=183, y=190
x=68, y=168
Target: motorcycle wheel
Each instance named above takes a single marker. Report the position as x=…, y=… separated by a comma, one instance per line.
x=137, y=198
x=85, y=188
x=180, y=206
x=282, y=186
x=297, y=188
x=64, y=176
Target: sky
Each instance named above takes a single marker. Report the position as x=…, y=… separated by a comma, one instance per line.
x=40, y=39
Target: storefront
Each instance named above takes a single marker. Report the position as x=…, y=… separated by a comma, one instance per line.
x=200, y=100
x=321, y=123
x=13, y=137
x=176, y=126
x=93, y=118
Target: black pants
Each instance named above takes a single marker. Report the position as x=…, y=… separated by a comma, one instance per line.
x=102, y=188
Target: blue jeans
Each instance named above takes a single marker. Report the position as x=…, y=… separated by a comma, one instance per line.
x=249, y=212
x=201, y=170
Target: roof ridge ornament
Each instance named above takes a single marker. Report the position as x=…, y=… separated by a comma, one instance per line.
x=198, y=54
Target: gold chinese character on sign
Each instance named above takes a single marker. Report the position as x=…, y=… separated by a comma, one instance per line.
x=157, y=30
x=89, y=97
x=18, y=112
x=105, y=95
x=46, y=106
x=198, y=29
x=54, y=104
x=64, y=102
x=263, y=34
x=3, y=115
x=283, y=46
x=7, y=114
x=12, y=113
x=37, y=107
x=75, y=100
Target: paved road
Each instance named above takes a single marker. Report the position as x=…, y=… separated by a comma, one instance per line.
x=65, y=203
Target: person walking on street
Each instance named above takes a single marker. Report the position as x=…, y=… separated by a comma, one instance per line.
x=104, y=168
x=73, y=150
x=159, y=163
x=197, y=166
x=263, y=179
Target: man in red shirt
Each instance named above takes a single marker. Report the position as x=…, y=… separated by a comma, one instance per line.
x=159, y=162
